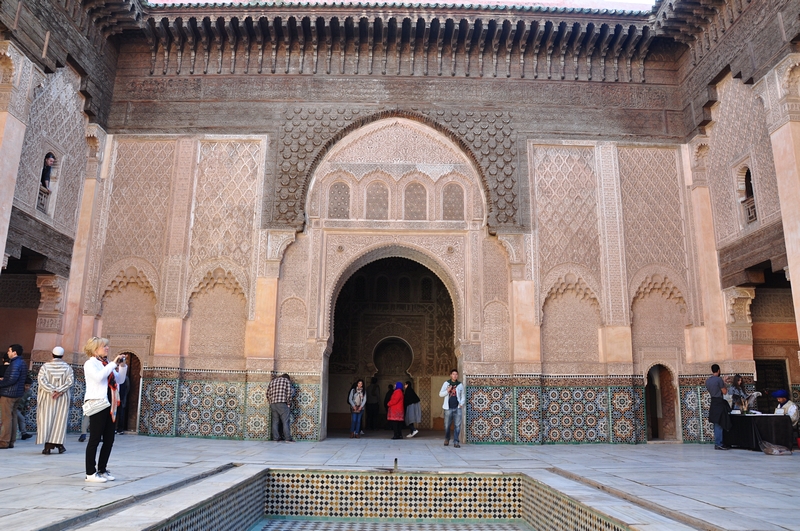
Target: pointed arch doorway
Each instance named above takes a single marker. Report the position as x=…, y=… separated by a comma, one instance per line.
x=394, y=321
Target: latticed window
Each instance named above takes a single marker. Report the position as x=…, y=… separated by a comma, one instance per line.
x=382, y=289
x=339, y=201
x=404, y=294
x=416, y=202
x=453, y=203
x=426, y=289
x=377, y=201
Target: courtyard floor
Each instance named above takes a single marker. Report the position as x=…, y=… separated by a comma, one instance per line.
x=650, y=487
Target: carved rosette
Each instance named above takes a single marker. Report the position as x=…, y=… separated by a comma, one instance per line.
x=737, y=307
x=52, y=302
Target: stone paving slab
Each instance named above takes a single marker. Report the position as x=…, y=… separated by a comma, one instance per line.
x=729, y=490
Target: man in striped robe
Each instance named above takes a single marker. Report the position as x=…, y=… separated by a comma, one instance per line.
x=55, y=381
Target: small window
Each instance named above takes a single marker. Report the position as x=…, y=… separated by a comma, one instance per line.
x=426, y=289
x=339, y=201
x=377, y=201
x=404, y=294
x=453, y=203
x=749, y=202
x=382, y=289
x=45, y=191
x=416, y=199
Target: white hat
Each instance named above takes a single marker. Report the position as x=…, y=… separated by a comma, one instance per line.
x=58, y=352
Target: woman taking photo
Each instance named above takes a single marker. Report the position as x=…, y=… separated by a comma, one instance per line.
x=357, y=401
x=103, y=379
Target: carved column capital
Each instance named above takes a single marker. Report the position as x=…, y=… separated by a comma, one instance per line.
x=737, y=307
x=272, y=246
x=779, y=90
x=18, y=76
x=52, y=302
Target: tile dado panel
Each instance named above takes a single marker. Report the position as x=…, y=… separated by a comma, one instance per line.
x=695, y=403
x=76, y=401
x=548, y=410
x=224, y=404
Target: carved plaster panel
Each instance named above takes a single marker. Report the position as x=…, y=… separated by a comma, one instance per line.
x=612, y=240
x=18, y=77
x=52, y=302
x=57, y=124
x=773, y=306
x=740, y=131
x=229, y=180
x=737, y=307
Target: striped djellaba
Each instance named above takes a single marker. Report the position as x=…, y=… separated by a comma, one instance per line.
x=52, y=414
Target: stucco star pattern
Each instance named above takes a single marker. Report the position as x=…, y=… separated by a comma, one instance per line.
x=140, y=195
x=566, y=206
x=652, y=209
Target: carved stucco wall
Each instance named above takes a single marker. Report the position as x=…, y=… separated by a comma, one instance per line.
x=738, y=137
x=309, y=133
x=139, y=205
x=569, y=331
x=658, y=322
x=180, y=215
x=216, y=334
x=56, y=123
x=398, y=153
x=565, y=195
x=129, y=309
x=653, y=211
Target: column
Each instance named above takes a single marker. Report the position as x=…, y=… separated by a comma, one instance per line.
x=80, y=324
x=261, y=332
x=50, y=318
x=780, y=90
x=739, y=322
x=616, y=341
x=706, y=343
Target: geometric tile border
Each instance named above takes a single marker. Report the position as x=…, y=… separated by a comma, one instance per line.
x=223, y=405
x=559, y=414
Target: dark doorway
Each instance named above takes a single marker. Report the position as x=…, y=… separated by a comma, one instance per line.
x=661, y=399
x=393, y=320
x=134, y=381
x=771, y=376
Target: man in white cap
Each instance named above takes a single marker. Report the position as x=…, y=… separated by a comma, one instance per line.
x=55, y=382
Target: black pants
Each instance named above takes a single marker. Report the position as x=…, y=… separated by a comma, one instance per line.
x=372, y=416
x=397, y=425
x=101, y=426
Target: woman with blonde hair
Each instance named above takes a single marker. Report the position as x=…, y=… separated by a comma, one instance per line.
x=103, y=379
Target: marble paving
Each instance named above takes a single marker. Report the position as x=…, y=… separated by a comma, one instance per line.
x=737, y=490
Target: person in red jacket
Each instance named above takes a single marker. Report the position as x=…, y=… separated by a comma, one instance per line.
x=395, y=410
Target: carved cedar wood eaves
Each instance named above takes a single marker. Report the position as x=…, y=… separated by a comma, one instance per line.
x=420, y=42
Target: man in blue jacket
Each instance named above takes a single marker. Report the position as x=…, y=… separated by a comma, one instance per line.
x=12, y=387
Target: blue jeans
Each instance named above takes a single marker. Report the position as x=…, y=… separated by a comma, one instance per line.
x=717, y=435
x=452, y=416
x=355, y=421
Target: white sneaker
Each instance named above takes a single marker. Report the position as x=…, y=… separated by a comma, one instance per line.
x=95, y=478
x=108, y=476
x=412, y=433
x=361, y=432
